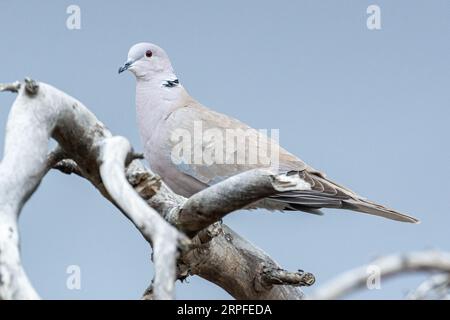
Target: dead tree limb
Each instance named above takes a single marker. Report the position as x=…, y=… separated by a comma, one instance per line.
x=388, y=266
x=239, y=191
x=164, y=239
x=435, y=287
x=219, y=254
x=87, y=148
x=214, y=251
x=41, y=112
x=271, y=276
x=11, y=87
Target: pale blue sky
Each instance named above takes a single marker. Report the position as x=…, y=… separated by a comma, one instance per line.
x=370, y=108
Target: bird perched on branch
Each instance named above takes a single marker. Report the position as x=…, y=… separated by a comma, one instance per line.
x=192, y=147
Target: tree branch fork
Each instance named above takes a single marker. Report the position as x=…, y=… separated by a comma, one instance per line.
x=187, y=235
x=180, y=230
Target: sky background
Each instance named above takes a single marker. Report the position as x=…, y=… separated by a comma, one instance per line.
x=369, y=108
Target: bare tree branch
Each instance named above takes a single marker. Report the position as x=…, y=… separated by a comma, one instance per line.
x=39, y=113
x=276, y=276
x=239, y=191
x=163, y=237
x=11, y=87
x=88, y=149
x=228, y=260
x=435, y=287
x=215, y=252
x=219, y=254
x=387, y=266
x=25, y=146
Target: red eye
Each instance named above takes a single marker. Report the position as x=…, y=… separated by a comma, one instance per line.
x=148, y=53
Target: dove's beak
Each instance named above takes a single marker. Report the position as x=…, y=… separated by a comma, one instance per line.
x=126, y=66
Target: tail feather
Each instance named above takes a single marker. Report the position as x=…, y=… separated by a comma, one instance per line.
x=325, y=193
x=362, y=205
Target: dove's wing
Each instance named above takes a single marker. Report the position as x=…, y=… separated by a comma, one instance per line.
x=222, y=154
x=317, y=191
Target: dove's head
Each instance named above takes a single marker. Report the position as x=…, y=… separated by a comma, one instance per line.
x=146, y=61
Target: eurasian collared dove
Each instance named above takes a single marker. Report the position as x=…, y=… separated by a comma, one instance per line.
x=166, y=112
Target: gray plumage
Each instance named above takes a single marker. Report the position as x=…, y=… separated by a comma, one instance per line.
x=164, y=106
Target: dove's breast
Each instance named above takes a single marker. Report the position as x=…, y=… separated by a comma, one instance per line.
x=160, y=159
x=160, y=139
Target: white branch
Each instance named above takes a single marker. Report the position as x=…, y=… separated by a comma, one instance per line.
x=39, y=113
x=12, y=87
x=21, y=170
x=212, y=204
x=90, y=150
x=218, y=254
x=388, y=266
x=163, y=237
x=435, y=287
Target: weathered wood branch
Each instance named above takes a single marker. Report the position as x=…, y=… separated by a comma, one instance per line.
x=89, y=150
x=215, y=252
x=164, y=238
x=25, y=146
x=388, y=266
x=11, y=87
x=435, y=287
x=41, y=112
x=219, y=254
x=239, y=191
x=271, y=276
x=228, y=260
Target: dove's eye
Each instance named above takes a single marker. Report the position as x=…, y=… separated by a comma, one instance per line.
x=148, y=53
